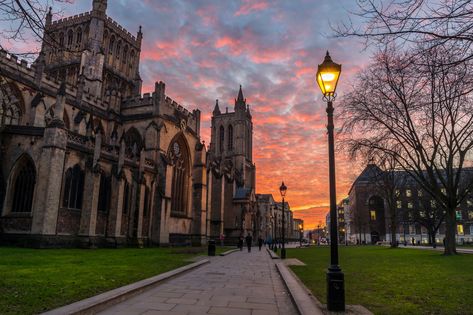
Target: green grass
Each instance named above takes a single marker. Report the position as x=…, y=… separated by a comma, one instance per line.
x=35, y=280
x=393, y=281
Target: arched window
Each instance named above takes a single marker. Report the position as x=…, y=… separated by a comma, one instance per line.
x=133, y=143
x=23, y=186
x=146, y=202
x=10, y=112
x=61, y=40
x=230, y=138
x=125, y=54
x=111, y=45
x=104, y=193
x=126, y=198
x=179, y=154
x=73, y=188
x=79, y=37
x=119, y=46
x=222, y=138
x=70, y=36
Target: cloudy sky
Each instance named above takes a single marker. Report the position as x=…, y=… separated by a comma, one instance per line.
x=203, y=50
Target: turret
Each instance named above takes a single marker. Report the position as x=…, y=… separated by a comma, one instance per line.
x=99, y=6
x=216, y=109
x=240, y=102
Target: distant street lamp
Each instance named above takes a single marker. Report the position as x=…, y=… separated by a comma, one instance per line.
x=301, y=231
x=283, y=190
x=328, y=74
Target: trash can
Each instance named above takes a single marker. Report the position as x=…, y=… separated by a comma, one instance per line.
x=211, y=248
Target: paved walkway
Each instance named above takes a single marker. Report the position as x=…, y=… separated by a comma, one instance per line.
x=461, y=250
x=240, y=283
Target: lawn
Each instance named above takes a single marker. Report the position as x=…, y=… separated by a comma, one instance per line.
x=393, y=281
x=35, y=280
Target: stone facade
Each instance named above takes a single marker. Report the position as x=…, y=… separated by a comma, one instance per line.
x=86, y=159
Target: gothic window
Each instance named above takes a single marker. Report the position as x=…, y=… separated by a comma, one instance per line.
x=10, y=112
x=133, y=143
x=73, y=188
x=104, y=193
x=119, y=46
x=180, y=175
x=23, y=186
x=79, y=37
x=70, y=36
x=222, y=138
x=126, y=197
x=125, y=54
x=146, y=203
x=111, y=45
x=230, y=138
x=61, y=40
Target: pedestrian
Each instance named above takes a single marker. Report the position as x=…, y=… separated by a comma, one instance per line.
x=249, y=240
x=413, y=241
x=260, y=243
x=240, y=242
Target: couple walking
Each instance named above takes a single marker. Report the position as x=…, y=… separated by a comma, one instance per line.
x=249, y=242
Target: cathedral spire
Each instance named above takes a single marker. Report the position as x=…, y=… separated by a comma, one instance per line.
x=216, y=109
x=49, y=17
x=240, y=101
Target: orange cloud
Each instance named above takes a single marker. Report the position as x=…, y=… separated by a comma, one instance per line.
x=251, y=6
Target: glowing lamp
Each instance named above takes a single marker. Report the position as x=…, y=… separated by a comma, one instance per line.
x=283, y=190
x=327, y=76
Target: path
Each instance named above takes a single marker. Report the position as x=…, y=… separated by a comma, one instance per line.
x=240, y=283
x=461, y=250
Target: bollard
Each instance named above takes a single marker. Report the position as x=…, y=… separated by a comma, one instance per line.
x=211, y=248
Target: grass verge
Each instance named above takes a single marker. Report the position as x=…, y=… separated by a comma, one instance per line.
x=36, y=280
x=393, y=281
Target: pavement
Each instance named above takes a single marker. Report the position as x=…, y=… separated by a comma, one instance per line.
x=241, y=283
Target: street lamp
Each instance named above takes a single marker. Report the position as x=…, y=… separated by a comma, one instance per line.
x=301, y=231
x=283, y=190
x=327, y=78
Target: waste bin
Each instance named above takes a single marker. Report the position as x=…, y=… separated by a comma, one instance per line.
x=211, y=248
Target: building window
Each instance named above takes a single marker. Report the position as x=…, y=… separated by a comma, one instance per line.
x=126, y=197
x=397, y=192
x=125, y=54
x=146, y=203
x=433, y=203
x=469, y=203
x=458, y=214
x=70, y=36
x=180, y=177
x=221, y=139
x=73, y=188
x=119, y=46
x=408, y=193
x=470, y=215
x=61, y=40
x=104, y=193
x=443, y=191
x=23, y=187
x=230, y=138
x=373, y=215
x=399, y=204
x=471, y=229
x=79, y=36
x=460, y=229
x=420, y=193
x=111, y=45
x=409, y=205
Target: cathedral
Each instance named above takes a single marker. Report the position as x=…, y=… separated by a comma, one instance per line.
x=87, y=160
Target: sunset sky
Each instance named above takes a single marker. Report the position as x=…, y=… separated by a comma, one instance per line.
x=203, y=50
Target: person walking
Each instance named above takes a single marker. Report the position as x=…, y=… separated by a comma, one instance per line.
x=249, y=240
x=240, y=243
x=260, y=243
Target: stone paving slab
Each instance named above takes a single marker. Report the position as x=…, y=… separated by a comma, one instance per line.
x=238, y=284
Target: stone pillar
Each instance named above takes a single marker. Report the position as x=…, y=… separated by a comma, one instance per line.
x=139, y=231
x=49, y=181
x=166, y=208
x=88, y=219
x=116, y=206
x=222, y=206
x=199, y=193
x=209, y=202
x=134, y=206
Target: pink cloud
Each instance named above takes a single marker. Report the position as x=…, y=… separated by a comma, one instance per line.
x=250, y=6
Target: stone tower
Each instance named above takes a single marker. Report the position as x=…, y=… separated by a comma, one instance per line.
x=232, y=177
x=94, y=53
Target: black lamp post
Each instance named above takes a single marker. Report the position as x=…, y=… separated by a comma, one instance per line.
x=327, y=78
x=283, y=190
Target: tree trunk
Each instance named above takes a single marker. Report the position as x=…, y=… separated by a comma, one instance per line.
x=433, y=240
x=393, y=234
x=450, y=227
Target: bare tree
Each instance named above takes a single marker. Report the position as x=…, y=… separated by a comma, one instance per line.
x=23, y=21
x=420, y=115
x=433, y=23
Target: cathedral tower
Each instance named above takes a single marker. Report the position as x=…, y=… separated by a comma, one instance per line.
x=232, y=177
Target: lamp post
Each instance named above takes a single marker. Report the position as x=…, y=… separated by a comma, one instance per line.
x=283, y=190
x=327, y=78
x=301, y=231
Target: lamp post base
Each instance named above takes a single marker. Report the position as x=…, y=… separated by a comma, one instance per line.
x=283, y=253
x=335, y=289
